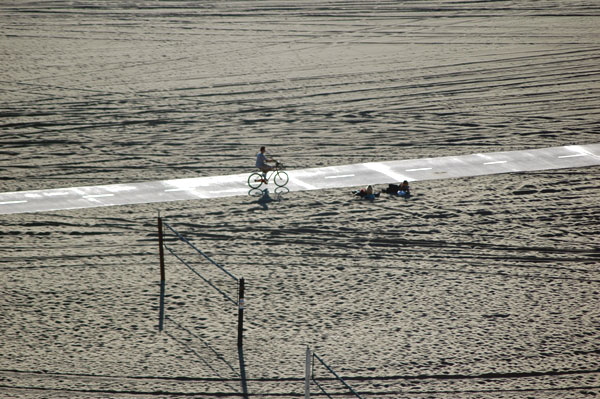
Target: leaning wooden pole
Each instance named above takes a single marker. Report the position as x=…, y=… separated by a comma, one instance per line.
x=241, y=313
x=161, y=254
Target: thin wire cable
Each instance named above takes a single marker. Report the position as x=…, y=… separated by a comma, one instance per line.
x=336, y=376
x=182, y=238
x=199, y=275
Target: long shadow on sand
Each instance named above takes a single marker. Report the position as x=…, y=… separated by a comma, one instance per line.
x=244, y=381
x=264, y=196
x=242, y=367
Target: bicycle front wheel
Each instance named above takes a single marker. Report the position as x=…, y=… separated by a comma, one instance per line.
x=281, y=179
x=255, y=180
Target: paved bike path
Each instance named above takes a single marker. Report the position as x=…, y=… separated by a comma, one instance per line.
x=355, y=175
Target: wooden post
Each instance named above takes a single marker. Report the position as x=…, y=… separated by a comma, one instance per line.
x=161, y=249
x=307, y=374
x=161, y=254
x=241, y=314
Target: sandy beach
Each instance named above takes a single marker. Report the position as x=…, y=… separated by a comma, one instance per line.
x=481, y=287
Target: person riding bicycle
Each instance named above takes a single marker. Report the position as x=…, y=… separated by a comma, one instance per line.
x=267, y=172
x=261, y=162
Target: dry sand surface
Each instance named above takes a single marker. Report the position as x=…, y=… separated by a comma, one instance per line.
x=484, y=287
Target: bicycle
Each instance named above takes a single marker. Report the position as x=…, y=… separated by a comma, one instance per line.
x=280, y=178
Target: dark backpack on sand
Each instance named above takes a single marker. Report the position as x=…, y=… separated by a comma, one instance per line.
x=392, y=189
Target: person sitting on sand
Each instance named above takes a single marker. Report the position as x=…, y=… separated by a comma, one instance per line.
x=261, y=162
x=367, y=193
x=404, y=189
x=401, y=189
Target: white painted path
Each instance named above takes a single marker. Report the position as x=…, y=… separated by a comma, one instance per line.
x=356, y=175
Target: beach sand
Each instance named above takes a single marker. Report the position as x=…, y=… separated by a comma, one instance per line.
x=483, y=287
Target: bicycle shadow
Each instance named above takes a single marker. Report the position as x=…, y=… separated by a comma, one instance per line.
x=265, y=198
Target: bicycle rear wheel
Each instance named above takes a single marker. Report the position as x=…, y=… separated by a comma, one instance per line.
x=281, y=178
x=255, y=180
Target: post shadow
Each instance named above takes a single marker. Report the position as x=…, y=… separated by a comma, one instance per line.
x=240, y=343
x=243, y=379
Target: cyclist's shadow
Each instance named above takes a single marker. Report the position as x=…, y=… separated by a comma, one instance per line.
x=264, y=196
